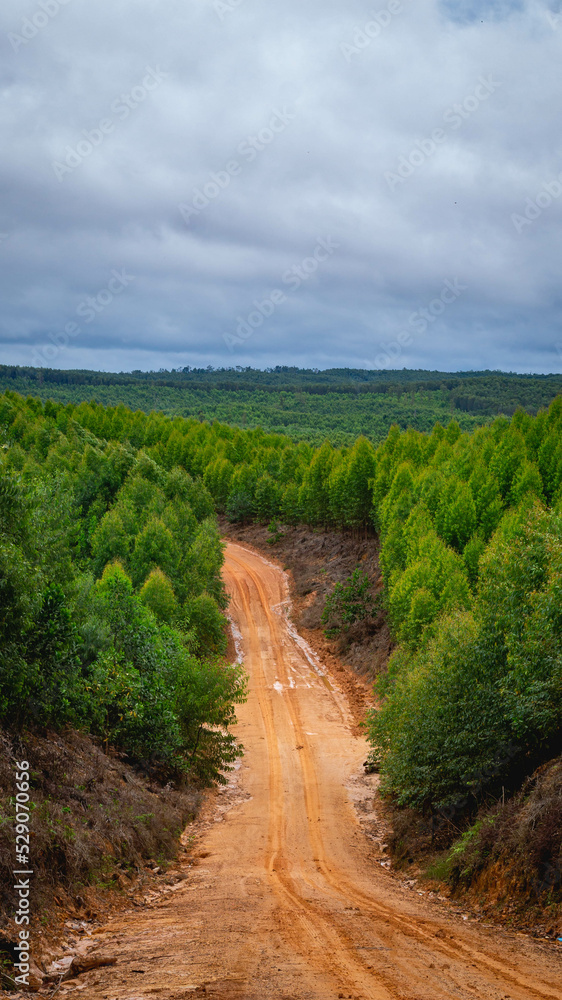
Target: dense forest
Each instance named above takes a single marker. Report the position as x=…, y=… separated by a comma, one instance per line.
x=336, y=405
x=112, y=602
x=470, y=525
x=470, y=529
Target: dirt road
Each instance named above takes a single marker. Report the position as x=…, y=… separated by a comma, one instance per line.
x=288, y=901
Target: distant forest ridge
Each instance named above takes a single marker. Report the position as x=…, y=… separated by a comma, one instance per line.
x=337, y=404
x=281, y=377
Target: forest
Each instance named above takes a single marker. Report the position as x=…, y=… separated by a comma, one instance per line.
x=336, y=405
x=470, y=528
x=113, y=598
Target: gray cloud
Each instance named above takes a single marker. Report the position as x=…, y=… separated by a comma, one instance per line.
x=117, y=114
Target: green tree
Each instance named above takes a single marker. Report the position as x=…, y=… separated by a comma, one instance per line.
x=217, y=479
x=110, y=540
x=442, y=722
x=290, y=509
x=207, y=626
x=267, y=499
x=527, y=482
x=207, y=694
x=157, y=593
x=456, y=515
x=472, y=554
x=155, y=547
x=314, y=497
x=360, y=473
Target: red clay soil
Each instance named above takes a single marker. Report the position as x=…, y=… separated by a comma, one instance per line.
x=315, y=560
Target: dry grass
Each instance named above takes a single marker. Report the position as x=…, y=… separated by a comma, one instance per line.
x=512, y=866
x=505, y=864
x=95, y=820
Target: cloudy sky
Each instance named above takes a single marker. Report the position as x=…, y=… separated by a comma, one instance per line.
x=321, y=183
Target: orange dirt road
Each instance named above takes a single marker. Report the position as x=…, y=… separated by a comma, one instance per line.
x=287, y=901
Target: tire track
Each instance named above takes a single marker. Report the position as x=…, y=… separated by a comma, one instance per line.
x=323, y=937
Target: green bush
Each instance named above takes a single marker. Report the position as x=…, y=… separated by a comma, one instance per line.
x=348, y=603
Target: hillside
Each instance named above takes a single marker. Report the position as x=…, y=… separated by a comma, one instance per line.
x=307, y=405
x=284, y=894
x=114, y=688
x=114, y=624
x=470, y=528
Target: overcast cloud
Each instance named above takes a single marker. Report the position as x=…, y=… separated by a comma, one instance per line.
x=325, y=183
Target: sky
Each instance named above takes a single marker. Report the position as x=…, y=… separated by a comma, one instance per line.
x=329, y=183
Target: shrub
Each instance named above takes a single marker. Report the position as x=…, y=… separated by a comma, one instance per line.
x=349, y=602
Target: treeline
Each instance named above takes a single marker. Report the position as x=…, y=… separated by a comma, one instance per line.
x=284, y=377
x=112, y=605
x=336, y=405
